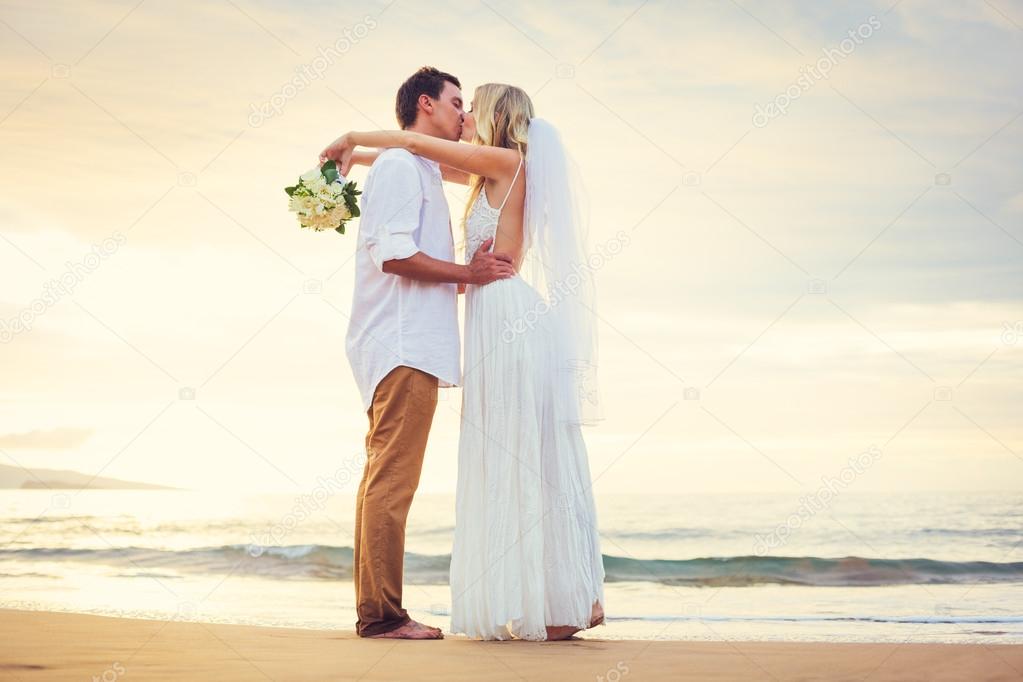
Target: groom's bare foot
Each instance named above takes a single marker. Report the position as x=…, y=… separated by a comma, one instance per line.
x=411, y=630
x=424, y=626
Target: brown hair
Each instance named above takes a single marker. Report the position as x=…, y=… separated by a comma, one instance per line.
x=426, y=81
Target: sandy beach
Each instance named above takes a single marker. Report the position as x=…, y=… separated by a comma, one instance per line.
x=56, y=646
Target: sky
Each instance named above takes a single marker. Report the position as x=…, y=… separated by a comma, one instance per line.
x=822, y=210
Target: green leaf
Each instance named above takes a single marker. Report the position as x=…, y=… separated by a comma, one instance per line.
x=329, y=171
x=340, y=228
x=352, y=205
x=291, y=190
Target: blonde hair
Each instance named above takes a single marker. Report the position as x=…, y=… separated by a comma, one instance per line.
x=502, y=114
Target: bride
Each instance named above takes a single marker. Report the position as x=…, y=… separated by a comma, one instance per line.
x=526, y=560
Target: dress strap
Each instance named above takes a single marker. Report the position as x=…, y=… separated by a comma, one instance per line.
x=512, y=185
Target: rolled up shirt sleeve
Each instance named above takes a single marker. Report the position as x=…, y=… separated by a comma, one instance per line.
x=395, y=207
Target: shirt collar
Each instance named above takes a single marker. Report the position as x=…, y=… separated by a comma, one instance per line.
x=432, y=165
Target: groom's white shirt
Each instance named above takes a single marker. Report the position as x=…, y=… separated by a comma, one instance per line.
x=396, y=320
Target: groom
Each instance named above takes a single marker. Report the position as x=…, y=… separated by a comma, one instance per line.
x=402, y=340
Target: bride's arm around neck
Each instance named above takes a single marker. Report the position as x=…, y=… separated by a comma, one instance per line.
x=362, y=157
x=474, y=159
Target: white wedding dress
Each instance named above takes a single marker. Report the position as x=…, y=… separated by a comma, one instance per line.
x=526, y=550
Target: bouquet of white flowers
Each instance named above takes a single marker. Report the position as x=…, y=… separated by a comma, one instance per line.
x=323, y=199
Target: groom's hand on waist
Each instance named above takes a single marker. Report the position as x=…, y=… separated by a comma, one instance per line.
x=486, y=267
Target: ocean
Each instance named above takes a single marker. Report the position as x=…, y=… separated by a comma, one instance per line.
x=859, y=567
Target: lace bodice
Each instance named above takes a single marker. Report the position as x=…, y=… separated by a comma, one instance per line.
x=481, y=223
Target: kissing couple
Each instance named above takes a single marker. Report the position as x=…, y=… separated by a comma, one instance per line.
x=526, y=560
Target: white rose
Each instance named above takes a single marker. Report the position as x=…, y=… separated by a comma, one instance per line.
x=339, y=214
x=311, y=175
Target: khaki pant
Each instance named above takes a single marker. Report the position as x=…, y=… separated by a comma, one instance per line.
x=400, y=417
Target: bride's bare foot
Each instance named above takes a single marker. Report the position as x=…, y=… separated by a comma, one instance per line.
x=566, y=631
x=555, y=632
x=597, y=615
x=411, y=630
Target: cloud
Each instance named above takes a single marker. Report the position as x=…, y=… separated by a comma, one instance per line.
x=207, y=275
x=60, y=438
